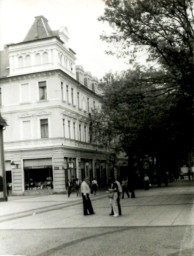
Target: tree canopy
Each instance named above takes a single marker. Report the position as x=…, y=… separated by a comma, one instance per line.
x=151, y=112
x=164, y=27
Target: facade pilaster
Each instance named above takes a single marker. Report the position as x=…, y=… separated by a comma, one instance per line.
x=17, y=178
x=78, y=167
x=58, y=172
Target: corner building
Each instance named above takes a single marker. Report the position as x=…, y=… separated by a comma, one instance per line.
x=46, y=101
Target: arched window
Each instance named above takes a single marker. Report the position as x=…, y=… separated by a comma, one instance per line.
x=45, y=57
x=27, y=60
x=20, y=62
x=37, y=58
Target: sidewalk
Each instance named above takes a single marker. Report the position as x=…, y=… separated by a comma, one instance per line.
x=21, y=206
x=165, y=206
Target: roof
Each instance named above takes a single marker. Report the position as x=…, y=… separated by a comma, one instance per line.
x=39, y=29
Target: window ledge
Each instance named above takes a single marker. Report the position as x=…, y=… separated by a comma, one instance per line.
x=42, y=101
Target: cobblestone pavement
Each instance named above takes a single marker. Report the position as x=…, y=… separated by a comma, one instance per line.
x=157, y=222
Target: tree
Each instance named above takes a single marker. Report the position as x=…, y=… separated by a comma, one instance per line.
x=166, y=29
x=133, y=115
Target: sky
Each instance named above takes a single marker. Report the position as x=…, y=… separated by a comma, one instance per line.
x=79, y=16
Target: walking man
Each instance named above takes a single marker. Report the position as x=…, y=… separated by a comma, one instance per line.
x=85, y=191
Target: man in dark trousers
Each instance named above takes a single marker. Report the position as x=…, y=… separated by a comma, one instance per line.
x=85, y=190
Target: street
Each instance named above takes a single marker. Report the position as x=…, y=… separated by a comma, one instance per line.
x=157, y=222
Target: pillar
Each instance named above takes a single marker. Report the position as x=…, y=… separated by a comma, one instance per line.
x=78, y=167
x=58, y=172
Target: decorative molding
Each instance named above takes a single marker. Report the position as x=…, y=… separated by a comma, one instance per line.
x=43, y=113
x=25, y=115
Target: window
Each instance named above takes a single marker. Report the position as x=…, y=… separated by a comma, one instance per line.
x=42, y=90
x=37, y=58
x=74, y=133
x=44, y=128
x=78, y=100
x=26, y=130
x=24, y=92
x=93, y=87
x=94, y=104
x=85, y=81
x=80, y=132
x=85, y=137
x=20, y=62
x=28, y=60
x=45, y=57
x=88, y=104
x=62, y=92
x=67, y=93
x=63, y=127
x=72, y=96
x=69, y=129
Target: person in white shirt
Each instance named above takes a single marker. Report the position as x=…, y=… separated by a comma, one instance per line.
x=94, y=186
x=85, y=190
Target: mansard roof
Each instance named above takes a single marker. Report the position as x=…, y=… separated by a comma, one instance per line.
x=39, y=29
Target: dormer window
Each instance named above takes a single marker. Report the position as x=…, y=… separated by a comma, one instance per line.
x=27, y=60
x=20, y=62
x=37, y=58
x=45, y=57
x=85, y=81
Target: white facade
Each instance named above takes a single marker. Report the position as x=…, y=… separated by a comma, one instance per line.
x=46, y=102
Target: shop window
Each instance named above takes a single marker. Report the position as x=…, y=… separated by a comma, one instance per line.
x=44, y=128
x=42, y=90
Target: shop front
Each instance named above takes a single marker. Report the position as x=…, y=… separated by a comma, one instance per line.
x=38, y=174
x=86, y=168
x=70, y=168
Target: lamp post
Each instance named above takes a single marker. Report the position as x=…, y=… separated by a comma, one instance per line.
x=2, y=125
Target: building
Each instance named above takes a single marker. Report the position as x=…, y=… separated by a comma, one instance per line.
x=46, y=101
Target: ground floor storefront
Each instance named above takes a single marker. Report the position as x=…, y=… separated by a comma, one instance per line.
x=50, y=169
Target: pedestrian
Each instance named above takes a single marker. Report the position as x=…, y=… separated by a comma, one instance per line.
x=77, y=186
x=85, y=190
x=69, y=187
x=94, y=186
x=131, y=184
x=146, y=182
x=119, y=195
x=124, y=185
x=113, y=190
